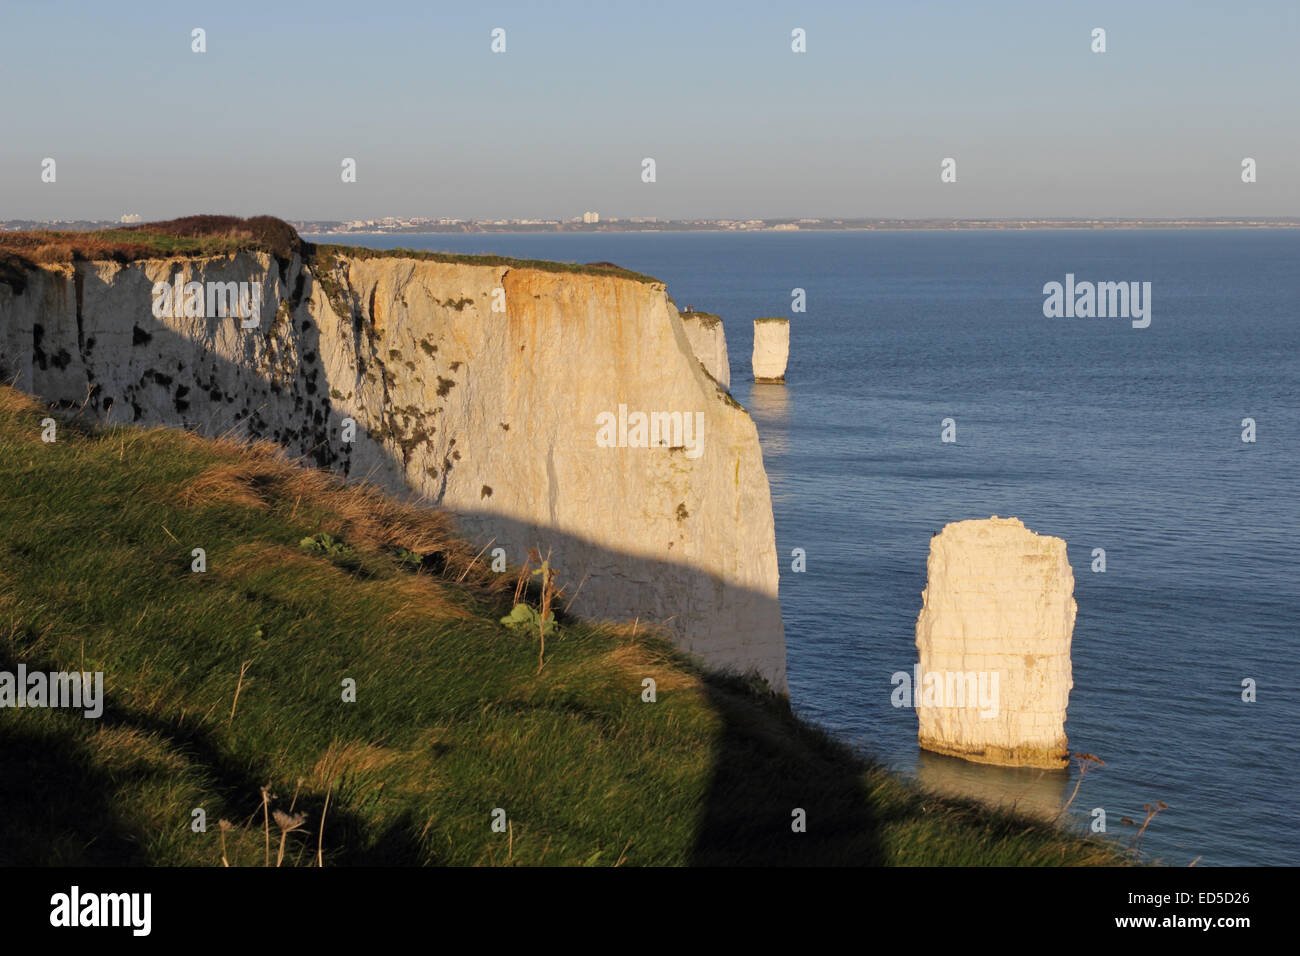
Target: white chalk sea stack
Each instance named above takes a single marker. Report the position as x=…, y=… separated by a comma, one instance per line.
x=709, y=343
x=998, y=613
x=771, y=349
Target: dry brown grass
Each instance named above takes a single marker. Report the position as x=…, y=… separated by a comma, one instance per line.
x=428, y=598
x=14, y=402
x=45, y=246
x=261, y=477
x=128, y=749
x=423, y=597
x=349, y=757
x=640, y=662
x=53, y=252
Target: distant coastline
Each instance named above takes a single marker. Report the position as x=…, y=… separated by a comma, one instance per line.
x=779, y=225
x=397, y=225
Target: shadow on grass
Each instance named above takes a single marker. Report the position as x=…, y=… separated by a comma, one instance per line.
x=761, y=778
x=60, y=805
x=57, y=807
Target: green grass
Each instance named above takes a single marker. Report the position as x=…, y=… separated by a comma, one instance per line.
x=770, y=319
x=451, y=719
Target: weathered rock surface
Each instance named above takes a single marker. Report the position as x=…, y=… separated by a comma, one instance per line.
x=771, y=349
x=998, y=603
x=709, y=343
x=491, y=415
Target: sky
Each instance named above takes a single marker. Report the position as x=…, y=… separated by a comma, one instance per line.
x=739, y=125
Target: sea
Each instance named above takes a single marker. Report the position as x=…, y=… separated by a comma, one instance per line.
x=1186, y=650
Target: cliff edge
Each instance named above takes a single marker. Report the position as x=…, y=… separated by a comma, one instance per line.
x=708, y=339
x=545, y=407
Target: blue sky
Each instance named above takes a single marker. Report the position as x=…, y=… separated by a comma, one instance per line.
x=739, y=126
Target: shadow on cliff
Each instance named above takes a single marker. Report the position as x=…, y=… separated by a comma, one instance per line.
x=766, y=764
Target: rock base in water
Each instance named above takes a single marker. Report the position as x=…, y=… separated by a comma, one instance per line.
x=994, y=642
x=771, y=350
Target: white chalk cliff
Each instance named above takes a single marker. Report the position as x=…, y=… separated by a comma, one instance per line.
x=492, y=415
x=709, y=342
x=771, y=349
x=998, y=601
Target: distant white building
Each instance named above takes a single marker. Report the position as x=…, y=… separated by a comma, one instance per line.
x=131, y=217
x=590, y=217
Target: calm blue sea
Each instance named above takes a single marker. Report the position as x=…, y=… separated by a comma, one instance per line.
x=1105, y=435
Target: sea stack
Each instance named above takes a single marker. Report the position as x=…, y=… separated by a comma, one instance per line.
x=709, y=343
x=771, y=350
x=994, y=643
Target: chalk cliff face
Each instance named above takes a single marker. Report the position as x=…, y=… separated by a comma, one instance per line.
x=493, y=415
x=709, y=342
x=771, y=349
x=998, y=605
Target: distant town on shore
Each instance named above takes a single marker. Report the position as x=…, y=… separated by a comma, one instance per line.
x=592, y=222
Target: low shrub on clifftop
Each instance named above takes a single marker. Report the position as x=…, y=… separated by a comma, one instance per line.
x=190, y=236
x=210, y=235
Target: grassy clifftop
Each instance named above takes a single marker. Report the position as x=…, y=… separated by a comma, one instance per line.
x=194, y=236
x=706, y=319
x=222, y=682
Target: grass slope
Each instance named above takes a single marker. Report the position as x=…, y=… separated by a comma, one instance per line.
x=451, y=719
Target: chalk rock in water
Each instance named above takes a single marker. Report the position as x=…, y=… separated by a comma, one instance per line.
x=709, y=343
x=771, y=349
x=994, y=640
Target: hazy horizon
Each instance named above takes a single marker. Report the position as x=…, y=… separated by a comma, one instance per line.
x=739, y=126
